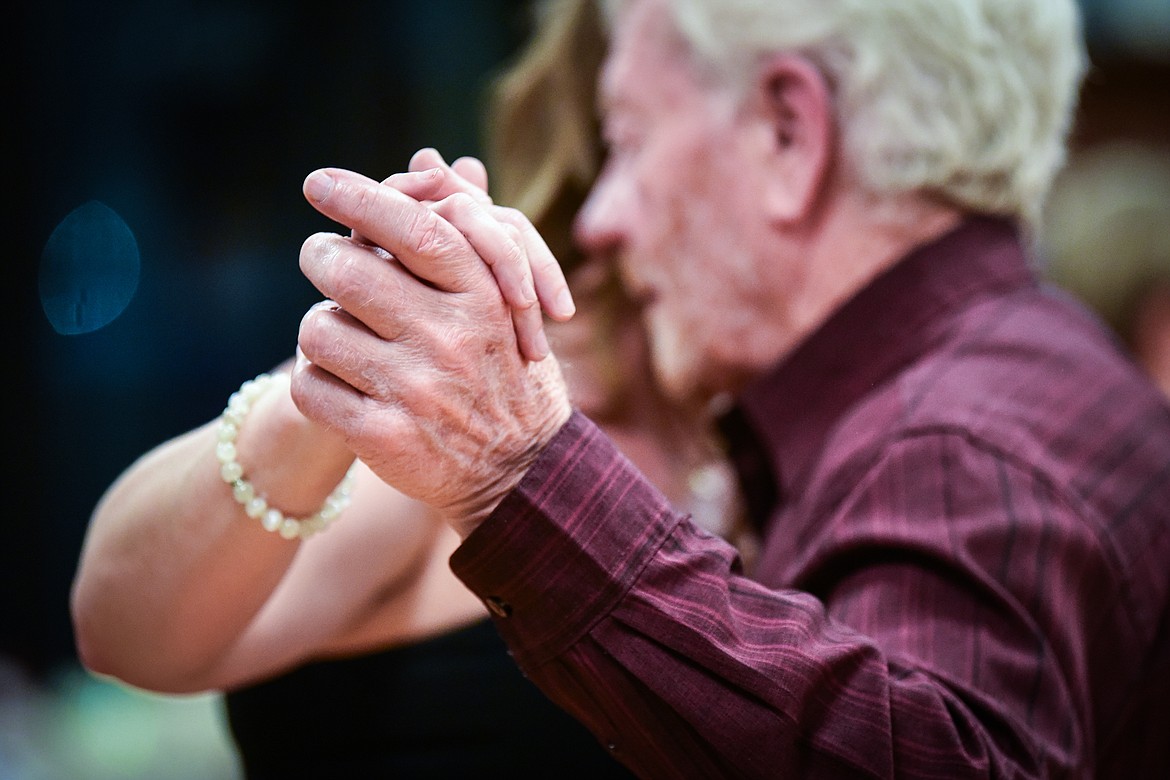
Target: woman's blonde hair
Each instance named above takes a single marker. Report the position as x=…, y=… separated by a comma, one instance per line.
x=543, y=141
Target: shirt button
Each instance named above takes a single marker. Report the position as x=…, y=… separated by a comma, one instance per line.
x=498, y=606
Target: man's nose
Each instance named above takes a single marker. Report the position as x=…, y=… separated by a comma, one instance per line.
x=597, y=227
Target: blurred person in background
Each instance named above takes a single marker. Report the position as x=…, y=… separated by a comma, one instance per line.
x=1107, y=240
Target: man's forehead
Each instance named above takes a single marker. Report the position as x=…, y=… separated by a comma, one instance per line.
x=645, y=50
x=616, y=78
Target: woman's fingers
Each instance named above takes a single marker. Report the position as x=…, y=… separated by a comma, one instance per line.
x=552, y=289
x=502, y=247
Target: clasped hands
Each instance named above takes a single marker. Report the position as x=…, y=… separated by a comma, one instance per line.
x=427, y=355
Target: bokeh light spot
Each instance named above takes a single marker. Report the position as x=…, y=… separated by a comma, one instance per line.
x=89, y=270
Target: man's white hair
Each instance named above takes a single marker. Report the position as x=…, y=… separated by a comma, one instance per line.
x=969, y=100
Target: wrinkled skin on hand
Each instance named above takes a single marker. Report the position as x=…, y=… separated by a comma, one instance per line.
x=525, y=269
x=413, y=358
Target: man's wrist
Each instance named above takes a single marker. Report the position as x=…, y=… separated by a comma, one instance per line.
x=466, y=518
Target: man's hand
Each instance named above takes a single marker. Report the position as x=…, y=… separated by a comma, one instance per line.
x=414, y=357
x=527, y=273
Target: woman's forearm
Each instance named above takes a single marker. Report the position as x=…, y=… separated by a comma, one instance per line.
x=173, y=570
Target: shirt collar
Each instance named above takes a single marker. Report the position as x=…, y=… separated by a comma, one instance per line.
x=776, y=430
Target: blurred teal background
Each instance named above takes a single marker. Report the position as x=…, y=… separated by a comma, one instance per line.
x=178, y=133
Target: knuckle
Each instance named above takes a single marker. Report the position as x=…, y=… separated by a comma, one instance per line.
x=427, y=386
x=338, y=271
x=364, y=203
x=349, y=284
x=419, y=388
x=528, y=306
x=426, y=239
x=510, y=216
x=461, y=342
x=450, y=344
x=461, y=201
x=374, y=381
x=515, y=256
x=513, y=232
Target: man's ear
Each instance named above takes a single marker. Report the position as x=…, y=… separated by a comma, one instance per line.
x=798, y=106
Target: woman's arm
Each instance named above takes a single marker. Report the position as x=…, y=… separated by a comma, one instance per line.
x=179, y=590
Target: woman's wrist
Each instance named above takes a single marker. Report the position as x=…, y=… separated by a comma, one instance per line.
x=283, y=470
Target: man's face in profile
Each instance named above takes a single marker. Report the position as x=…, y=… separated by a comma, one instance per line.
x=675, y=204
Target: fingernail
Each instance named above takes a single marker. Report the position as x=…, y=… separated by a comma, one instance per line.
x=318, y=185
x=565, y=305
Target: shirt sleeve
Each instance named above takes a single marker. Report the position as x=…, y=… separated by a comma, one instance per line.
x=905, y=645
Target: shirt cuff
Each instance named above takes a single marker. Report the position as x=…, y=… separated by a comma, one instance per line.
x=563, y=548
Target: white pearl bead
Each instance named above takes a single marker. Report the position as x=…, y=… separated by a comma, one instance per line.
x=243, y=491
x=231, y=472
x=225, y=452
x=255, y=506
x=272, y=519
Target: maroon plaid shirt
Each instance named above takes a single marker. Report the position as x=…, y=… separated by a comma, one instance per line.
x=964, y=495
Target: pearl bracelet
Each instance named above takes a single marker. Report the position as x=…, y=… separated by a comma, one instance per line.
x=244, y=492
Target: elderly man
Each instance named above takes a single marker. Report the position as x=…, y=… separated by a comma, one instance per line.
x=823, y=208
